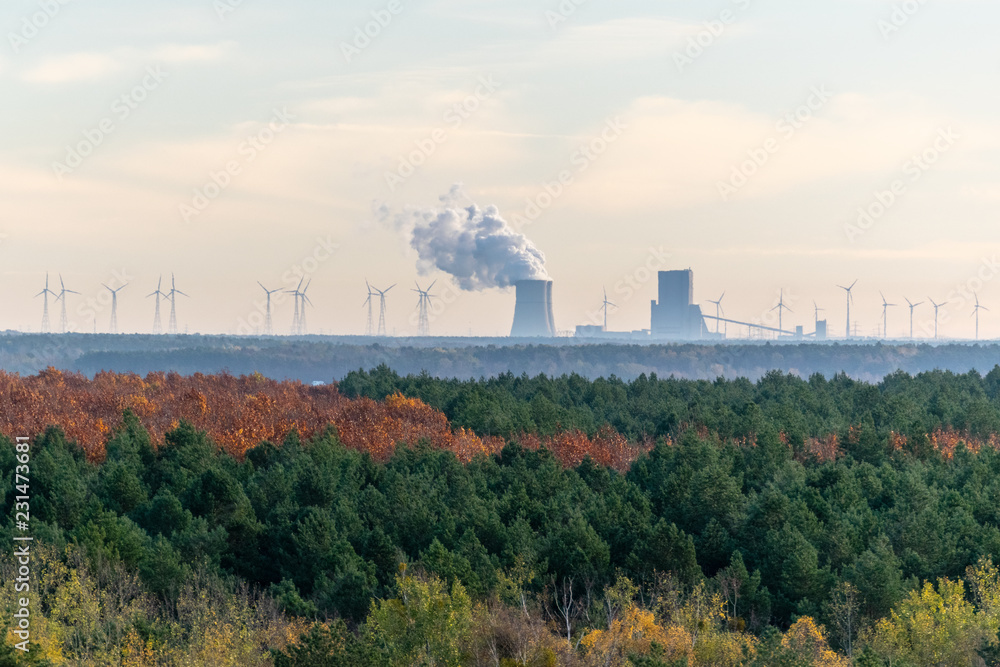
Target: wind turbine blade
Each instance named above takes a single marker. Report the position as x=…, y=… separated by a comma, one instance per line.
x=854, y=283
x=390, y=287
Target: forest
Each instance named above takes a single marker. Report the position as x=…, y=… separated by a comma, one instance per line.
x=512, y=521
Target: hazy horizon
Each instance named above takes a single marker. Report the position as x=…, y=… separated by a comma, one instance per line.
x=309, y=142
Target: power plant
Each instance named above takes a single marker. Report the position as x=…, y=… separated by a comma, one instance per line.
x=533, y=310
x=675, y=316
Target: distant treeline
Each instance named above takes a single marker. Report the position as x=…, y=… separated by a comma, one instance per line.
x=313, y=358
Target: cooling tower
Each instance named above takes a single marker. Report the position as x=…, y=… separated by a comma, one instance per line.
x=533, y=310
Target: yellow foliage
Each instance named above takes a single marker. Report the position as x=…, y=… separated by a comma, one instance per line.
x=632, y=632
x=808, y=641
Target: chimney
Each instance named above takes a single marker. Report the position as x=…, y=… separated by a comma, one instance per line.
x=533, y=310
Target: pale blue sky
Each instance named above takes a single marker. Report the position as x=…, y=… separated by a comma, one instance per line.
x=655, y=187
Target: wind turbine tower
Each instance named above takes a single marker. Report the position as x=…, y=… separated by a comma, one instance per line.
x=45, y=311
x=157, y=327
x=608, y=303
x=976, y=313
x=850, y=300
x=370, y=327
x=424, y=323
x=303, y=329
x=113, y=328
x=885, y=308
x=936, y=306
x=172, y=295
x=381, y=309
x=912, y=306
x=63, y=321
x=780, y=307
x=268, y=323
x=719, y=311
x=297, y=317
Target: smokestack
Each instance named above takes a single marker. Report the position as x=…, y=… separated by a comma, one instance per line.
x=533, y=310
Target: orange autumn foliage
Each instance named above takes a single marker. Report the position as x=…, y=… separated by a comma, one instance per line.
x=240, y=412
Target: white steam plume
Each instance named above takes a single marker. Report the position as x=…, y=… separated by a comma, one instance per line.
x=475, y=246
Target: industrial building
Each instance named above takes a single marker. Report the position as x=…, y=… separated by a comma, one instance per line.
x=675, y=316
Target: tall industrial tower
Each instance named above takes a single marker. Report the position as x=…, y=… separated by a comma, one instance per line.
x=424, y=322
x=268, y=324
x=63, y=320
x=172, y=295
x=157, y=326
x=850, y=300
x=45, y=309
x=113, y=328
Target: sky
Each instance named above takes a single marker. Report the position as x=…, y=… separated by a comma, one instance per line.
x=775, y=147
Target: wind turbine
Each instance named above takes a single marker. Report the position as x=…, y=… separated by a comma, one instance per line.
x=172, y=295
x=912, y=306
x=719, y=311
x=302, y=313
x=45, y=312
x=975, y=312
x=268, y=324
x=297, y=318
x=818, y=310
x=63, y=321
x=381, y=310
x=885, y=308
x=157, y=327
x=850, y=300
x=780, y=308
x=607, y=303
x=936, y=306
x=113, y=328
x=424, y=324
x=369, y=327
